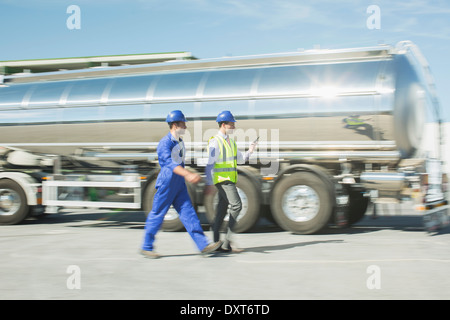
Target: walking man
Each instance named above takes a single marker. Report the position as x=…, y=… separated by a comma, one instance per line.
x=221, y=171
x=172, y=190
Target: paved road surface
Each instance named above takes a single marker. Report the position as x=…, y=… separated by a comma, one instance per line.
x=86, y=254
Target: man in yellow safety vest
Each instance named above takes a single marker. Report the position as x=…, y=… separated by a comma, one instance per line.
x=221, y=171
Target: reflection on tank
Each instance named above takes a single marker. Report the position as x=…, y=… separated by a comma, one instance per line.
x=303, y=95
x=360, y=125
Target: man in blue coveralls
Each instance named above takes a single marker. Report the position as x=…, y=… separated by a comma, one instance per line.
x=172, y=190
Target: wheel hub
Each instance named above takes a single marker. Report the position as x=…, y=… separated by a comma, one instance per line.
x=301, y=203
x=171, y=214
x=9, y=202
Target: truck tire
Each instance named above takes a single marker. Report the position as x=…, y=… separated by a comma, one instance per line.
x=172, y=221
x=250, y=206
x=302, y=203
x=13, y=203
x=357, y=206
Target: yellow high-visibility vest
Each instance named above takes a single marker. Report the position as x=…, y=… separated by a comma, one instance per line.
x=225, y=167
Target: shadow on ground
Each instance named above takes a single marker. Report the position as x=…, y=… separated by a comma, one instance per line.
x=136, y=220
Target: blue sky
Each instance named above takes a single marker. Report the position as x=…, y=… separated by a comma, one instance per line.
x=215, y=28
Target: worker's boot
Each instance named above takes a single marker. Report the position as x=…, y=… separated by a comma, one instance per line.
x=213, y=246
x=228, y=247
x=150, y=254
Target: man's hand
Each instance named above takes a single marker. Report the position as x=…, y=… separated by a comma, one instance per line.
x=193, y=177
x=252, y=146
x=189, y=176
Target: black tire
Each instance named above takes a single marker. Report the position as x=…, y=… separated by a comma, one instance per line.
x=357, y=206
x=13, y=203
x=250, y=206
x=171, y=221
x=317, y=209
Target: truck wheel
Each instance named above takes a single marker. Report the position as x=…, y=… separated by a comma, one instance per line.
x=13, y=203
x=250, y=206
x=357, y=206
x=302, y=203
x=172, y=220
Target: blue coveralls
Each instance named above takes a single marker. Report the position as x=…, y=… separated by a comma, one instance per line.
x=172, y=190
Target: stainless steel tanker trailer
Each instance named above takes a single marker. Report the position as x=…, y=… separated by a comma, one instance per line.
x=338, y=129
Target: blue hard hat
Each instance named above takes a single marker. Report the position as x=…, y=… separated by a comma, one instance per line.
x=175, y=115
x=225, y=116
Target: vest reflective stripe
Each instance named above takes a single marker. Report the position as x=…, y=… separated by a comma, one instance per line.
x=225, y=167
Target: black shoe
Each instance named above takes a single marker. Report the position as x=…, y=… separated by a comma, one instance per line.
x=231, y=249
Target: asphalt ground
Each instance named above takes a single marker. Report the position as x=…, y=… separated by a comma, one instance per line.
x=94, y=254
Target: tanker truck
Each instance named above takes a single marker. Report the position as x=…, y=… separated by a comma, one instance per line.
x=338, y=130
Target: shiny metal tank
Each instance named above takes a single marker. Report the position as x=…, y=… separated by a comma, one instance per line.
x=368, y=99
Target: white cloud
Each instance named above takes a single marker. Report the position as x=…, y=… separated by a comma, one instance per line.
x=429, y=19
x=276, y=14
